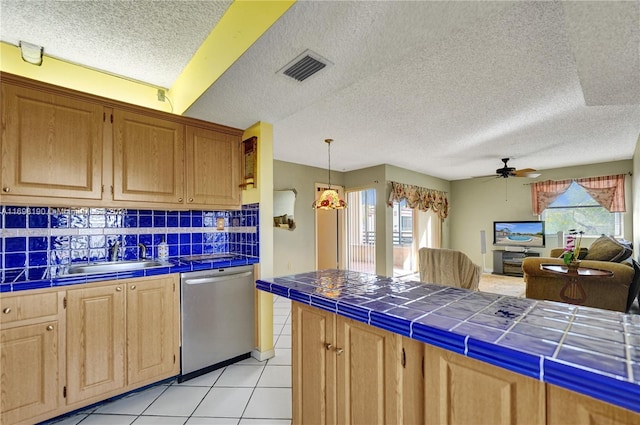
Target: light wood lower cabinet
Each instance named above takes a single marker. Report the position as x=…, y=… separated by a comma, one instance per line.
x=152, y=330
x=95, y=341
x=343, y=371
x=31, y=356
x=461, y=390
x=566, y=407
x=413, y=382
x=121, y=335
x=117, y=336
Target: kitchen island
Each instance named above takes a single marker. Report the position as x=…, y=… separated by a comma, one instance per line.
x=384, y=350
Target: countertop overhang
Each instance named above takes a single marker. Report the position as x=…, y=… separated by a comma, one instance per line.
x=583, y=349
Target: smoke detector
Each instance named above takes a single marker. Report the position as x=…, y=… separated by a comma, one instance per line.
x=305, y=65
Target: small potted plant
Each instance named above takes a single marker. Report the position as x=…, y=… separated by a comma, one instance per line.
x=571, y=255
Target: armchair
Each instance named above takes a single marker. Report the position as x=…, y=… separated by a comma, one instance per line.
x=448, y=267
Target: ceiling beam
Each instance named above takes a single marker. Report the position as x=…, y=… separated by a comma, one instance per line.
x=243, y=23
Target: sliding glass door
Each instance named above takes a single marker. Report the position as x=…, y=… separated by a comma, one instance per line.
x=361, y=231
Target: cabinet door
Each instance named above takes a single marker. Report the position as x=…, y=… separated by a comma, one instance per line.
x=29, y=365
x=51, y=145
x=464, y=391
x=151, y=325
x=568, y=407
x=313, y=365
x=148, y=159
x=368, y=385
x=95, y=341
x=413, y=384
x=213, y=168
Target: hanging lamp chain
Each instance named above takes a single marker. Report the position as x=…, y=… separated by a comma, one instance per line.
x=328, y=142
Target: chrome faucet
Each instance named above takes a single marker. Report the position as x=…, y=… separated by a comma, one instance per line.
x=143, y=251
x=113, y=251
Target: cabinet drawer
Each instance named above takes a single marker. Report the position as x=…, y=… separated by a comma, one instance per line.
x=32, y=306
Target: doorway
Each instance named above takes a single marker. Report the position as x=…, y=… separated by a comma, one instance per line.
x=329, y=231
x=361, y=230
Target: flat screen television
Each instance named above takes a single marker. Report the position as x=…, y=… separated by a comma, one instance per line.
x=527, y=234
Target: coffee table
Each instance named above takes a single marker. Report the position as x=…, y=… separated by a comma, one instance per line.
x=572, y=292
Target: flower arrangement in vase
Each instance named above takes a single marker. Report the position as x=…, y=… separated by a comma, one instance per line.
x=571, y=254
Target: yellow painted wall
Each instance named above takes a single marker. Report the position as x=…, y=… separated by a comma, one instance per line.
x=76, y=77
x=263, y=195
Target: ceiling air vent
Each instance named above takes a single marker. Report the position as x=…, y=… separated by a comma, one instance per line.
x=304, y=66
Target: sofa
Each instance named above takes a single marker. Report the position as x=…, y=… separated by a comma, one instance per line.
x=610, y=293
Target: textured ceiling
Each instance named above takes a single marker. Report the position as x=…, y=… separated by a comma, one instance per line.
x=148, y=41
x=442, y=88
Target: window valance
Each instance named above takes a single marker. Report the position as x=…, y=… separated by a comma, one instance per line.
x=607, y=191
x=421, y=198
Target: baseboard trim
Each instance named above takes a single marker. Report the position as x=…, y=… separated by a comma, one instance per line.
x=263, y=355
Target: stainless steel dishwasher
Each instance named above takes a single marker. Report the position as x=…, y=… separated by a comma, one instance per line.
x=217, y=308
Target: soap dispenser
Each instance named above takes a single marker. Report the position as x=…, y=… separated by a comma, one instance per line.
x=163, y=250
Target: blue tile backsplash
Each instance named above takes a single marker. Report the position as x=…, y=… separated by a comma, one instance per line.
x=38, y=242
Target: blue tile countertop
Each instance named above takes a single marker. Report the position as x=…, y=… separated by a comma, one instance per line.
x=173, y=265
x=587, y=350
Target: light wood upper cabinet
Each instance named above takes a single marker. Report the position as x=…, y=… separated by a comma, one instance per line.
x=31, y=357
x=95, y=341
x=51, y=145
x=213, y=168
x=152, y=330
x=148, y=159
x=65, y=148
x=461, y=390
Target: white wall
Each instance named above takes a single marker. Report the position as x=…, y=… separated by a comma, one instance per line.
x=474, y=205
x=294, y=251
x=477, y=203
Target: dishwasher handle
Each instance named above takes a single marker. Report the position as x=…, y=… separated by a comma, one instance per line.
x=205, y=280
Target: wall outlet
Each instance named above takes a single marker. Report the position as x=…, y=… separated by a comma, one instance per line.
x=219, y=223
x=161, y=95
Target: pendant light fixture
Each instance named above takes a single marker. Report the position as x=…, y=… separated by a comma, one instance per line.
x=329, y=199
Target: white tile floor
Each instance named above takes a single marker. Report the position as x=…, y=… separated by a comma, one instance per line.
x=248, y=392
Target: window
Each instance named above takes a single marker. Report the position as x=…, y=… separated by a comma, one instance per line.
x=576, y=209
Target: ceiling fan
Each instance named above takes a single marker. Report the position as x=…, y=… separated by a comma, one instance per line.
x=506, y=171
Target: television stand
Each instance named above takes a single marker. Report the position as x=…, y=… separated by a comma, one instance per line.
x=510, y=262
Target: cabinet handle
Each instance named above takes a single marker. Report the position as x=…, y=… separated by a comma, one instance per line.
x=179, y=199
x=190, y=199
x=339, y=351
x=7, y=310
x=118, y=289
x=50, y=327
x=328, y=346
x=6, y=189
x=133, y=286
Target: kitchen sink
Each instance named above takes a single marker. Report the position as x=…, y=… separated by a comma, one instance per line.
x=114, y=266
